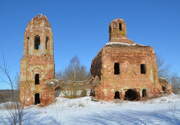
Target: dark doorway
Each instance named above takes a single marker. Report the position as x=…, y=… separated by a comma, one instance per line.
x=37, y=99
x=144, y=93
x=117, y=95
x=131, y=94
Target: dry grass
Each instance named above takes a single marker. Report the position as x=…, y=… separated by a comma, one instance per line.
x=73, y=97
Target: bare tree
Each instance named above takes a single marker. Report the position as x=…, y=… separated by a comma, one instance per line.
x=164, y=72
x=75, y=71
x=163, y=68
x=14, y=108
x=175, y=81
x=73, y=74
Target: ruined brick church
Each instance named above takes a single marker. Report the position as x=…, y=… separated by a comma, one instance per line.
x=125, y=67
x=125, y=70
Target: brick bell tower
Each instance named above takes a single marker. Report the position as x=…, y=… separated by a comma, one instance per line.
x=117, y=31
x=37, y=64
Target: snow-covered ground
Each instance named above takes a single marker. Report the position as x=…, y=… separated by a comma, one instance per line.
x=83, y=111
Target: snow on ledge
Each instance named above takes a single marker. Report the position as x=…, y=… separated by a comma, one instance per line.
x=120, y=43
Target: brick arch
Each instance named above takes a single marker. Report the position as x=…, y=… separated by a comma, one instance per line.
x=115, y=24
x=132, y=94
x=37, y=70
x=37, y=42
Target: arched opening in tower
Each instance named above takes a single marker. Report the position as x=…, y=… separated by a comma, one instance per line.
x=120, y=26
x=47, y=39
x=110, y=29
x=131, y=94
x=37, y=99
x=37, y=81
x=37, y=42
x=117, y=95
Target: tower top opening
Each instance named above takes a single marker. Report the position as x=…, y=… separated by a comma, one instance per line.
x=117, y=30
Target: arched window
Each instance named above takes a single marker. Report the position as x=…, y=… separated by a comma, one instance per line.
x=46, y=43
x=37, y=42
x=143, y=68
x=37, y=81
x=120, y=26
x=116, y=68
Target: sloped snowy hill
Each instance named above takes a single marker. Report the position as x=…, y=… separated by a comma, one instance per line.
x=83, y=111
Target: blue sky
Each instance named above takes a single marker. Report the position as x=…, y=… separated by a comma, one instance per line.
x=80, y=27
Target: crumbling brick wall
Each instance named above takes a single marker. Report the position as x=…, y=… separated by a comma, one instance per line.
x=96, y=65
x=166, y=87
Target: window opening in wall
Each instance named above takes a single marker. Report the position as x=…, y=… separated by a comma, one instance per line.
x=116, y=68
x=117, y=95
x=37, y=42
x=47, y=39
x=120, y=26
x=143, y=69
x=37, y=81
